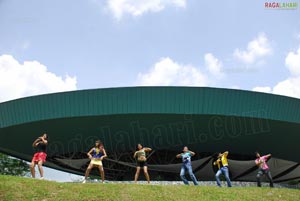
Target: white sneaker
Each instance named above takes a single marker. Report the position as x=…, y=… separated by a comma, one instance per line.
x=84, y=181
x=42, y=178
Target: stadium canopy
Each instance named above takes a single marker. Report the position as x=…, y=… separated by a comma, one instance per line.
x=207, y=120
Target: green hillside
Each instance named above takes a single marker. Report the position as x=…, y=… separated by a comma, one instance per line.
x=18, y=188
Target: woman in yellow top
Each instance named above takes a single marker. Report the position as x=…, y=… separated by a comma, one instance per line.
x=96, y=155
x=140, y=155
x=222, y=164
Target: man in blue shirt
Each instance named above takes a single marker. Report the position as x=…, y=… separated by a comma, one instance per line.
x=187, y=166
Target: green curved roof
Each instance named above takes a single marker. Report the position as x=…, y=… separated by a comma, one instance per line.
x=207, y=120
x=150, y=100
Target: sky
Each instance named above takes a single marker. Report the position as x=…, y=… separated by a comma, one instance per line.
x=52, y=46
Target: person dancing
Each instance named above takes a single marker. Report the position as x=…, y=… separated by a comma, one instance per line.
x=261, y=162
x=222, y=164
x=187, y=166
x=40, y=145
x=96, y=155
x=140, y=155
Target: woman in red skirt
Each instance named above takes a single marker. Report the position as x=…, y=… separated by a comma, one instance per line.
x=40, y=145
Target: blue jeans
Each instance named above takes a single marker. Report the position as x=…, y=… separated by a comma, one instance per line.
x=187, y=167
x=262, y=172
x=223, y=170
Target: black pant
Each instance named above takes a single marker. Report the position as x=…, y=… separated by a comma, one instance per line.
x=262, y=172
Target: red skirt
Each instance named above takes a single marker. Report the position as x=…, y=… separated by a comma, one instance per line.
x=39, y=156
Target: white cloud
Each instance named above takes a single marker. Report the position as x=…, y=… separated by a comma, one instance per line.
x=262, y=89
x=166, y=72
x=256, y=49
x=292, y=62
x=288, y=87
x=213, y=65
x=291, y=85
x=139, y=7
x=30, y=78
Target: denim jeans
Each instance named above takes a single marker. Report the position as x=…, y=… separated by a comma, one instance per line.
x=187, y=167
x=262, y=172
x=223, y=170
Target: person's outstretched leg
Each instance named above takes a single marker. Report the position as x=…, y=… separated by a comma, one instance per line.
x=146, y=174
x=32, y=169
x=270, y=178
x=218, y=177
x=190, y=170
x=226, y=173
x=87, y=172
x=101, y=170
x=258, y=176
x=40, y=165
x=137, y=174
x=182, y=175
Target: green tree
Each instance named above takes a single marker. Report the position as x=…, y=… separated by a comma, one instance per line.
x=13, y=166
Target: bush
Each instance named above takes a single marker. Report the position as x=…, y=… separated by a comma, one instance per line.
x=13, y=166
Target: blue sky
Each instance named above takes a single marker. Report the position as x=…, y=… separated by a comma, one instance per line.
x=87, y=40
x=49, y=46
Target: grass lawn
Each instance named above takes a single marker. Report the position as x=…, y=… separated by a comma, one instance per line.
x=18, y=188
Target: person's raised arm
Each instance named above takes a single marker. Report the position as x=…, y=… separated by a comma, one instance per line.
x=225, y=153
x=147, y=149
x=216, y=162
x=44, y=141
x=268, y=156
x=34, y=144
x=257, y=162
x=89, y=154
x=192, y=153
x=178, y=156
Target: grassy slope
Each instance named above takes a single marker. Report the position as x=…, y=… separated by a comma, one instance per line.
x=17, y=188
